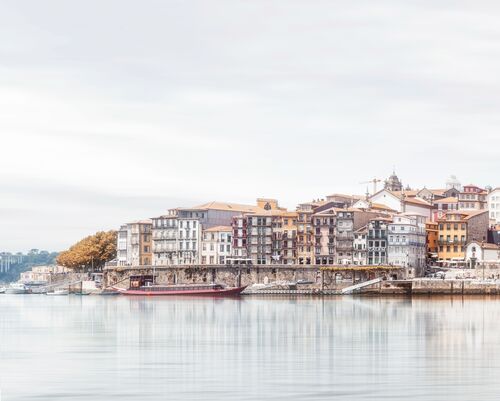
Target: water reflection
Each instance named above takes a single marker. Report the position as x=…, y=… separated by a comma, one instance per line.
x=105, y=348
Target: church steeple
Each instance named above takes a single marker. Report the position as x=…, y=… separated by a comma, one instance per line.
x=393, y=183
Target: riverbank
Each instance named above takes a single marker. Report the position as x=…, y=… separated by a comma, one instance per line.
x=301, y=280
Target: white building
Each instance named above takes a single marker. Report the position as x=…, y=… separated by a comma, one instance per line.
x=177, y=235
x=216, y=245
x=189, y=238
x=359, y=252
x=42, y=274
x=165, y=244
x=478, y=253
x=121, y=246
x=399, y=201
x=407, y=242
x=494, y=205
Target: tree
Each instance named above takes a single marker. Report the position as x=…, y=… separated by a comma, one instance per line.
x=92, y=251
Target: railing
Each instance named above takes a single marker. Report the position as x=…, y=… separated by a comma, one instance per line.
x=451, y=242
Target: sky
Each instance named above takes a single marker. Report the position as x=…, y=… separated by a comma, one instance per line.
x=113, y=111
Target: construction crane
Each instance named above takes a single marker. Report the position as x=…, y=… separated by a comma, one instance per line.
x=374, y=181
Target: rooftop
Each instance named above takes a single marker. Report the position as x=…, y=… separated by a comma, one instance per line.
x=450, y=199
x=225, y=206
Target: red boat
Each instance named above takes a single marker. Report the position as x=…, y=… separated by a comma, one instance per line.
x=144, y=285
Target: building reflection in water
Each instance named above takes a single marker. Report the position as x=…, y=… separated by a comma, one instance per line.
x=251, y=348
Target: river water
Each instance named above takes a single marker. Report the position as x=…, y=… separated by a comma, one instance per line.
x=119, y=348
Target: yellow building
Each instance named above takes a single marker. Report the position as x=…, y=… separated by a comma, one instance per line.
x=456, y=229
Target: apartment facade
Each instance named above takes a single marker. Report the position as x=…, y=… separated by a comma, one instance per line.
x=121, y=246
x=344, y=236
x=260, y=238
x=216, y=245
x=457, y=229
x=177, y=235
x=139, y=243
x=305, y=233
x=472, y=198
x=443, y=206
x=432, y=245
x=239, y=226
x=324, y=226
x=360, y=246
x=285, y=237
x=377, y=241
x=494, y=205
x=407, y=243
x=165, y=239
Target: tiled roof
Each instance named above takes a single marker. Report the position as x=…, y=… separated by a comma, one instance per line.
x=486, y=245
x=145, y=221
x=275, y=212
x=450, y=199
x=418, y=201
x=474, y=213
x=357, y=197
x=225, y=206
x=466, y=214
x=380, y=206
x=438, y=192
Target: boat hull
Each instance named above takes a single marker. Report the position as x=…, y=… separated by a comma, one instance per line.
x=223, y=292
x=58, y=293
x=15, y=291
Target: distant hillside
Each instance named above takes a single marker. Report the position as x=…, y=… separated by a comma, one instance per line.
x=21, y=262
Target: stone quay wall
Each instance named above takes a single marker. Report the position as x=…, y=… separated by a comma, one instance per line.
x=455, y=287
x=230, y=275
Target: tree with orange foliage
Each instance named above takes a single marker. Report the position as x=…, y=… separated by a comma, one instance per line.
x=91, y=252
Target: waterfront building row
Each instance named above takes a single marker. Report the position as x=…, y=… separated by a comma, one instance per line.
x=395, y=226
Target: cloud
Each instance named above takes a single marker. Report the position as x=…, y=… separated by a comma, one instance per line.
x=113, y=111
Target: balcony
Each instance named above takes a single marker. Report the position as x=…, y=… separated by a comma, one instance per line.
x=452, y=242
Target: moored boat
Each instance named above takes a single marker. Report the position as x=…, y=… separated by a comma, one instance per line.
x=144, y=285
x=2, y=290
x=107, y=292
x=16, y=288
x=58, y=292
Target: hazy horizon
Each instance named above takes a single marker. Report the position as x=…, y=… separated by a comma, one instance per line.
x=112, y=112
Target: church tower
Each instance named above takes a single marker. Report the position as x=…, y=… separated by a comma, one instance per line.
x=393, y=183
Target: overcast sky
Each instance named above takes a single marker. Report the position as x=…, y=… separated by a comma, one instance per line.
x=112, y=111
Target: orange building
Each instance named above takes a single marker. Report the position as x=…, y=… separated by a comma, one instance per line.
x=456, y=229
x=432, y=229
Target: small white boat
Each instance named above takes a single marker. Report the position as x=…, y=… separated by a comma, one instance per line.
x=2, y=290
x=58, y=292
x=16, y=288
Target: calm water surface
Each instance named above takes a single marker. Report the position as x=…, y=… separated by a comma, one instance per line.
x=118, y=348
